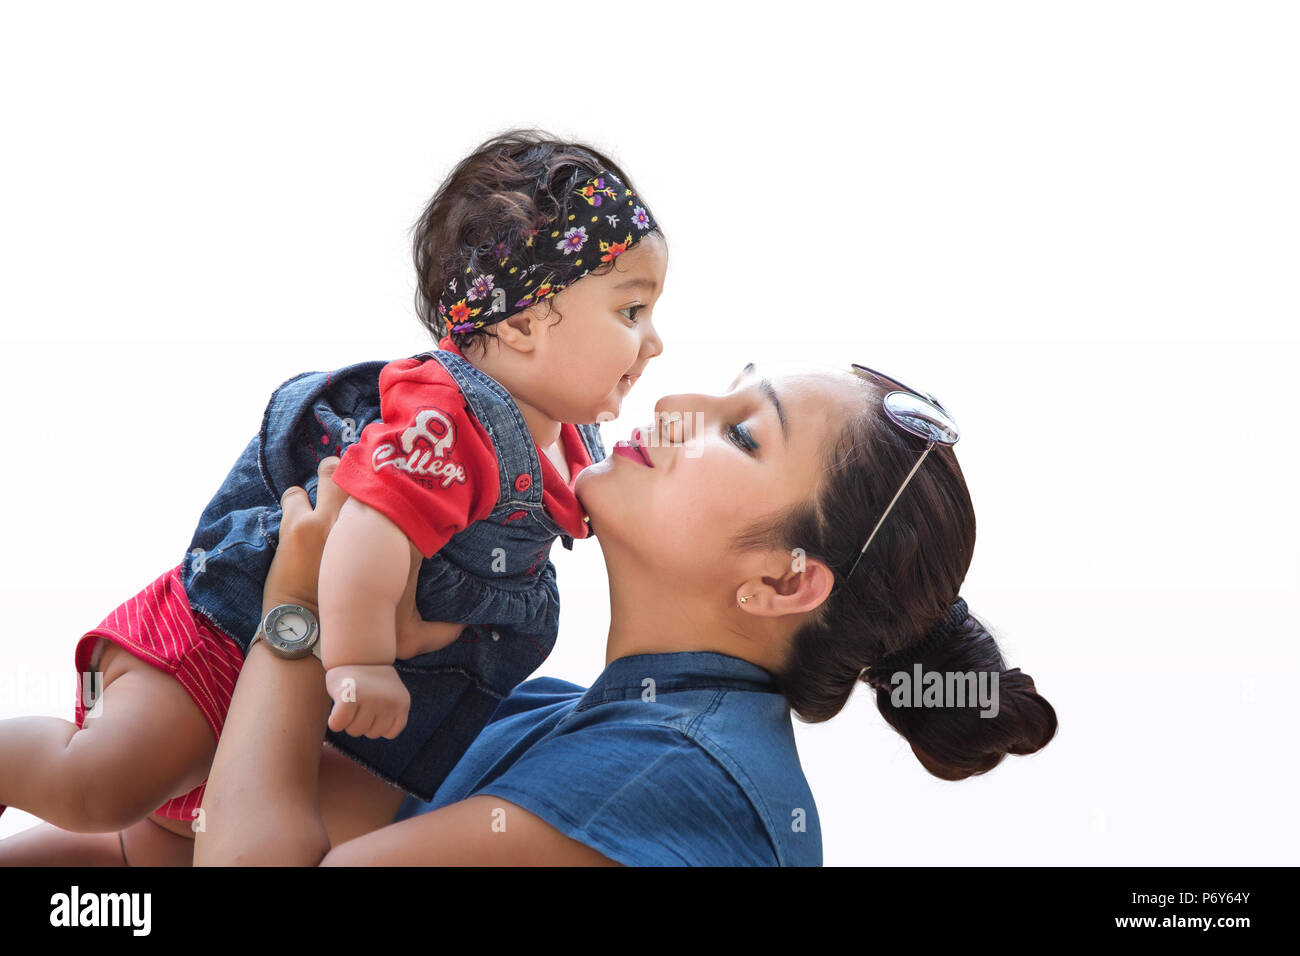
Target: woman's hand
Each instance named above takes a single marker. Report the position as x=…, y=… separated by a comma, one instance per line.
x=295, y=569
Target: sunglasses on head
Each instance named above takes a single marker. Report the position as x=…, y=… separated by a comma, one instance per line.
x=919, y=414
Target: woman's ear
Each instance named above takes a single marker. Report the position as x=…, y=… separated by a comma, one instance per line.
x=800, y=589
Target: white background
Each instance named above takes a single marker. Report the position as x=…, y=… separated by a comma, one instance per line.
x=1075, y=223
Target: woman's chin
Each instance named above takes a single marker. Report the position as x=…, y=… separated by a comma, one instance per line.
x=592, y=473
x=596, y=492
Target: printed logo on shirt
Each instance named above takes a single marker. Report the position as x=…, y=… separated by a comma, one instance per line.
x=423, y=450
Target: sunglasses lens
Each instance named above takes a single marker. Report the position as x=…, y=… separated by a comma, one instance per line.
x=922, y=419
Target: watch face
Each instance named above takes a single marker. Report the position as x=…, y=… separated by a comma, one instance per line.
x=290, y=630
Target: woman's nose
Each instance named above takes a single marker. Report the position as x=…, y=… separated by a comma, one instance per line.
x=679, y=417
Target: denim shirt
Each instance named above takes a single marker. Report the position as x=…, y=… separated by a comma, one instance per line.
x=496, y=574
x=675, y=759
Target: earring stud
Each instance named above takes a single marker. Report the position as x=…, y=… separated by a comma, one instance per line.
x=746, y=598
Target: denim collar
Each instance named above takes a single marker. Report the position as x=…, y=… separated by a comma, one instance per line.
x=623, y=679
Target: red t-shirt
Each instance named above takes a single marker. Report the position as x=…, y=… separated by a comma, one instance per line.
x=429, y=465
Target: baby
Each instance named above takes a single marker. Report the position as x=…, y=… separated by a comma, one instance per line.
x=442, y=460
x=537, y=267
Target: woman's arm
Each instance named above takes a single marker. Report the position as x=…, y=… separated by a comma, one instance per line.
x=261, y=805
x=480, y=831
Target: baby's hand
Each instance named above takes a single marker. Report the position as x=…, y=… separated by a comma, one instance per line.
x=370, y=700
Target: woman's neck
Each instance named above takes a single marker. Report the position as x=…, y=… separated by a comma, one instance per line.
x=649, y=614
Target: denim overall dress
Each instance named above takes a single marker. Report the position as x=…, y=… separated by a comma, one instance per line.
x=496, y=574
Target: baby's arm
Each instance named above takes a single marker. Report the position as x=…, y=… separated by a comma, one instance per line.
x=368, y=577
x=363, y=574
x=392, y=522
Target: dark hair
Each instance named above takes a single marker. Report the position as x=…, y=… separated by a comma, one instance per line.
x=506, y=187
x=906, y=582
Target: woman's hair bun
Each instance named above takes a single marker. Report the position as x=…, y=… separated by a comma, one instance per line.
x=952, y=741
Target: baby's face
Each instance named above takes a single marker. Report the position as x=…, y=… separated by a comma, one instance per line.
x=606, y=336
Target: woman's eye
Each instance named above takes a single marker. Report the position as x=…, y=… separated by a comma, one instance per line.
x=742, y=438
x=631, y=308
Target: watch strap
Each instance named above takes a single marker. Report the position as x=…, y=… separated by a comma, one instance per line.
x=315, y=648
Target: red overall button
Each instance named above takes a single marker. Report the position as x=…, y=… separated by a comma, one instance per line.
x=523, y=482
x=515, y=515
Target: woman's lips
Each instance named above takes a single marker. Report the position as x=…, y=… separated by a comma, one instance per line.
x=634, y=449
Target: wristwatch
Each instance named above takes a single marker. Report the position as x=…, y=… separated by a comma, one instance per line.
x=290, y=631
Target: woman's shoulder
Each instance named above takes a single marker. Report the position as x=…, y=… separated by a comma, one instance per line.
x=677, y=758
x=537, y=695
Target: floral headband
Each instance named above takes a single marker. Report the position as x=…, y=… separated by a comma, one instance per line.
x=608, y=221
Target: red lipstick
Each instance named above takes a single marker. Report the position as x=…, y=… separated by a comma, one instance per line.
x=634, y=449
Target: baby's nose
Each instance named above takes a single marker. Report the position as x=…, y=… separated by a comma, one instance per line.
x=654, y=345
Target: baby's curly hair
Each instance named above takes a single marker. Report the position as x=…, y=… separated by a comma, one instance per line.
x=505, y=188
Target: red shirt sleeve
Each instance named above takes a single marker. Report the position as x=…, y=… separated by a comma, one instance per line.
x=428, y=464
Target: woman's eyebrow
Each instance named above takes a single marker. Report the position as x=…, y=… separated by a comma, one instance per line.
x=770, y=392
x=765, y=385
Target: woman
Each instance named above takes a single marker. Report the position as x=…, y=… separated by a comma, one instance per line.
x=735, y=591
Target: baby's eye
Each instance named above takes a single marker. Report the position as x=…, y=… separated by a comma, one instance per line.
x=742, y=438
x=631, y=308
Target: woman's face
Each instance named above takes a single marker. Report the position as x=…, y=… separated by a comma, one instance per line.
x=727, y=461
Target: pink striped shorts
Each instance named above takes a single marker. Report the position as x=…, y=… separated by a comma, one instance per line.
x=158, y=626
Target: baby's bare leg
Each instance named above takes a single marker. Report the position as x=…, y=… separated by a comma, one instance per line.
x=146, y=843
x=150, y=742
x=353, y=803
x=47, y=845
